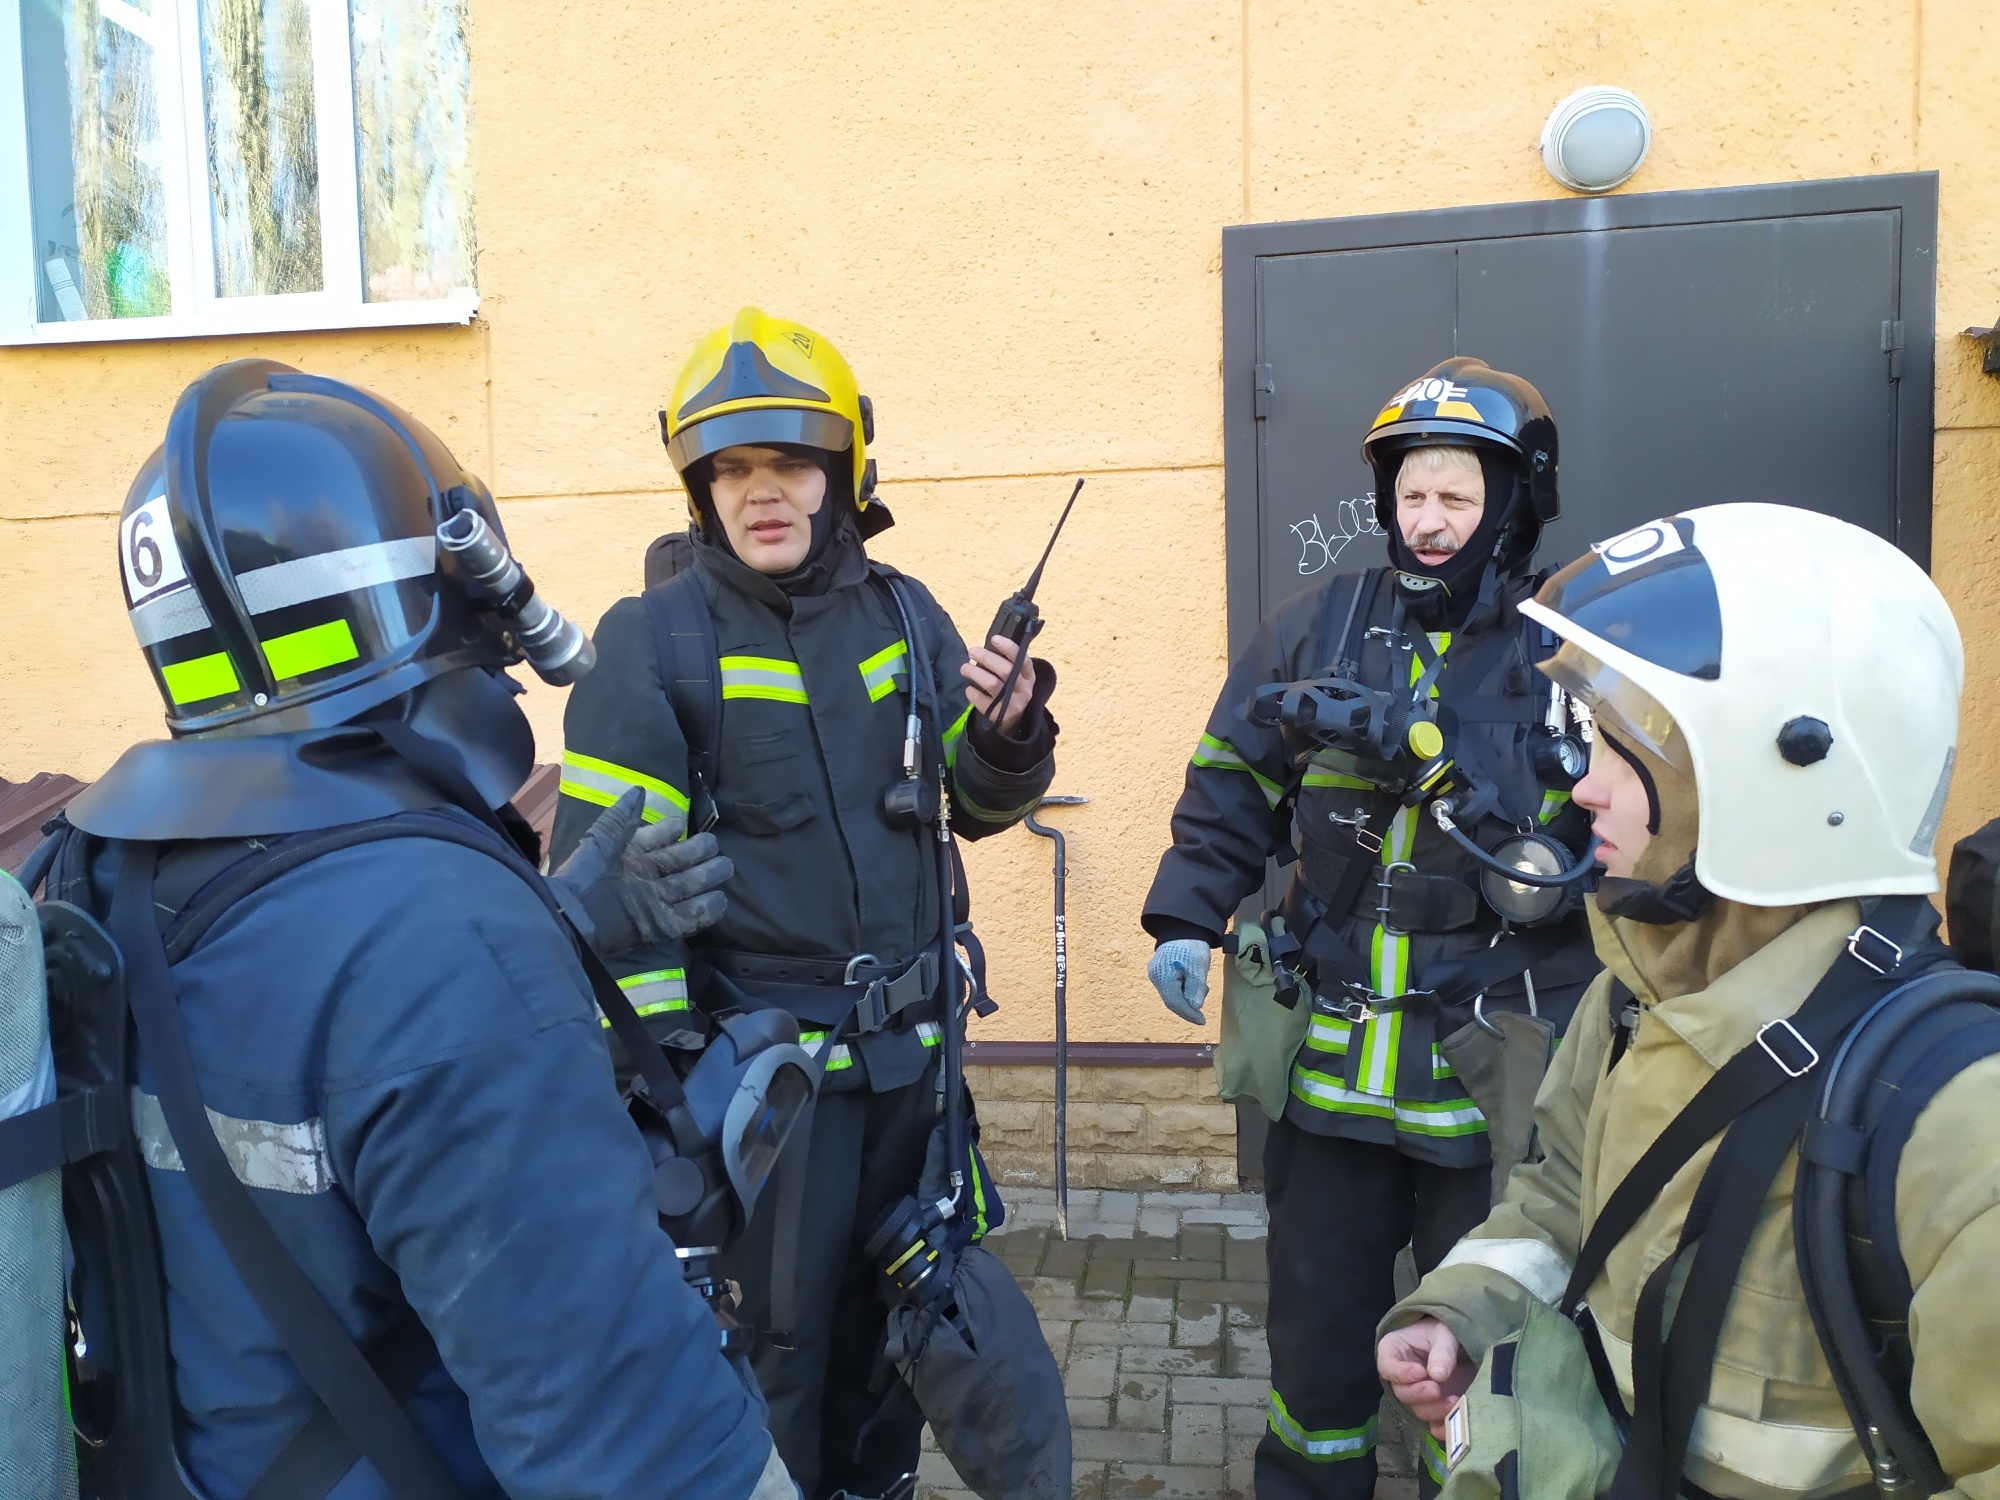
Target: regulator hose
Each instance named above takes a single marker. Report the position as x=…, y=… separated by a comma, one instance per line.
x=1441, y=811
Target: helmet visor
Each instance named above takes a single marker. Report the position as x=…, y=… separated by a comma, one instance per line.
x=759, y=428
x=1649, y=592
x=1619, y=705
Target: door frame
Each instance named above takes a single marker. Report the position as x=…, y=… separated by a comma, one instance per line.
x=1913, y=194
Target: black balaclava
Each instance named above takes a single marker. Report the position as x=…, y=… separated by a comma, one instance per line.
x=1447, y=603
x=835, y=519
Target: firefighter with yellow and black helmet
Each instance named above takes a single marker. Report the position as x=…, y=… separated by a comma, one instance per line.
x=1388, y=732
x=813, y=709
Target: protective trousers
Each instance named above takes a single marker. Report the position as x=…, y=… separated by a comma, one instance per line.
x=1340, y=1212
x=866, y=1152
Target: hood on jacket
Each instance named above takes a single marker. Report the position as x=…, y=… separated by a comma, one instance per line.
x=1661, y=960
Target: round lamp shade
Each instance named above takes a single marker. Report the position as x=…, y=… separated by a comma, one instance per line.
x=1595, y=139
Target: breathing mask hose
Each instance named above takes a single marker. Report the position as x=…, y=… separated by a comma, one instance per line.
x=558, y=650
x=1441, y=811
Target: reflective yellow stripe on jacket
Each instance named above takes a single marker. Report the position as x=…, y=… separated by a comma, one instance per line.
x=1323, y=1085
x=602, y=782
x=767, y=677
x=655, y=992
x=1220, y=755
x=880, y=671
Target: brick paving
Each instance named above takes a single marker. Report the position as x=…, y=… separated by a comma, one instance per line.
x=1154, y=1307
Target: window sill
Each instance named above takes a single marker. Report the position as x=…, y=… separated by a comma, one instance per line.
x=251, y=316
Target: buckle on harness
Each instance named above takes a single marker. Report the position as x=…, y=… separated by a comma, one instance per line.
x=887, y=996
x=1811, y=1053
x=1386, y=885
x=1880, y=945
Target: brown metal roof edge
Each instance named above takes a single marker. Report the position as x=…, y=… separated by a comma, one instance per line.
x=1091, y=1054
x=24, y=807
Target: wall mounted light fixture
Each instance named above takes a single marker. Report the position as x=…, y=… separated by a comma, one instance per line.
x=1596, y=138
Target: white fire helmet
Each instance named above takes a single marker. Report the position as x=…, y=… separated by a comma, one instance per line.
x=1802, y=670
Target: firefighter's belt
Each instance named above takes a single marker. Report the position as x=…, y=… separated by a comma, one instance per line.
x=860, y=994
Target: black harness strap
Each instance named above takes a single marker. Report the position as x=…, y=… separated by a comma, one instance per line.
x=690, y=652
x=320, y=1453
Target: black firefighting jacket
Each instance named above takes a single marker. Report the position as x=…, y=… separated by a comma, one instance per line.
x=815, y=698
x=1248, y=797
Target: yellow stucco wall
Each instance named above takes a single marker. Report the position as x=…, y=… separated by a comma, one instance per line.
x=1009, y=218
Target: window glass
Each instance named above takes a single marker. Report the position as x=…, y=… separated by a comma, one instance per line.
x=412, y=99
x=95, y=154
x=263, y=151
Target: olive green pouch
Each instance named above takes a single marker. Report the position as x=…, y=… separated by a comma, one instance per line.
x=1533, y=1426
x=1260, y=1037
x=1502, y=1070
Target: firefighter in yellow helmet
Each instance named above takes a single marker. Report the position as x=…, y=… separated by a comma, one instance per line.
x=815, y=710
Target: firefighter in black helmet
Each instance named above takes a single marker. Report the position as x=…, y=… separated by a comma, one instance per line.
x=340, y=954
x=1360, y=709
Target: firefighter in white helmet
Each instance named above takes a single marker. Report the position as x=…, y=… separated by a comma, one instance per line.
x=1776, y=707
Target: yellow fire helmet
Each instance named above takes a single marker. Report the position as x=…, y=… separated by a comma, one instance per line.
x=760, y=379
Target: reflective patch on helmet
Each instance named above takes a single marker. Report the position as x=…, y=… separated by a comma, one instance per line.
x=203, y=678
x=324, y=574
x=164, y=617
x=1643, y=544
x=1925, y=843
x=148, y=552
x=312, y=650
x=747, y=374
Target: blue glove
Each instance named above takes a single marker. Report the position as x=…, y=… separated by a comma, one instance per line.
x=1179, y=971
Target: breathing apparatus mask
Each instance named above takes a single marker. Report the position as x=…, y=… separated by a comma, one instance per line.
x=1395, y=743
x=715, y=1148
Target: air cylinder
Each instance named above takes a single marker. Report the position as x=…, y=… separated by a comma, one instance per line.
x=37, y=1450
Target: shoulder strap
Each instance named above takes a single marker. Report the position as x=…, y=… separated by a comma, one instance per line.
x=1337, y=651
x=689, y=649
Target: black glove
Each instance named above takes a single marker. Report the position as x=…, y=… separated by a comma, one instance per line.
x=637, y=884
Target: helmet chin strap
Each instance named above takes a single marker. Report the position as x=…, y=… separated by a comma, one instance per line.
x=1681, y=898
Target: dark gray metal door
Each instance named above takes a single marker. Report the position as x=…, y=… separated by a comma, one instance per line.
x=1747, y=343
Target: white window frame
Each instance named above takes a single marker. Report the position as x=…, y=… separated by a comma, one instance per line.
x=198, y=311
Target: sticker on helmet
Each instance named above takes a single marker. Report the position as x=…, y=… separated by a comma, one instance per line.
x=151, y=557
x=1641, y=545
x=1430, y=388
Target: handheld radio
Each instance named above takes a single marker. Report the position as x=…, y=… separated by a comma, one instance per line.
x=1020, y=619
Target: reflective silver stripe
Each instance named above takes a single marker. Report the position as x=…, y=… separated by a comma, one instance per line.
x=602, y=782
x=882, y=669
x=305, y=579
x=656, y=990
x=262, y=1153
x=1799, y=1459
x=775, y=1482
x=768, y=677
x=1535, y=1264
x=165, y=616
